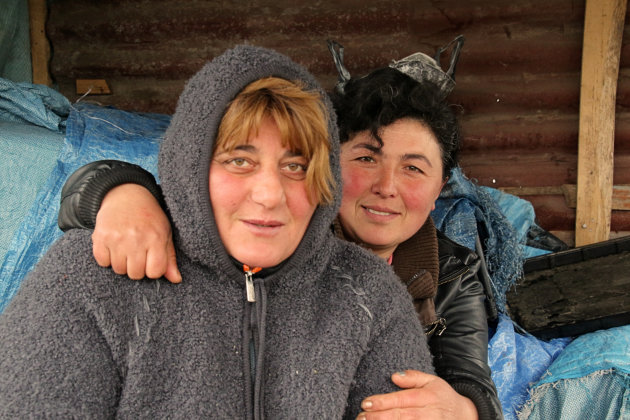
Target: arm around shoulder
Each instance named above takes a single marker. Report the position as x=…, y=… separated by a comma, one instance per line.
x=461, y=351
x=83, y=192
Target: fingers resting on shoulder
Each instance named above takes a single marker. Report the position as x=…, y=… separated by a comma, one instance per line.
x=133, y=235
x=423, y=396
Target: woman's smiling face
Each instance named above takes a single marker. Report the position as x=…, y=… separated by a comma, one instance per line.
x=259, y=197
x=389, y=190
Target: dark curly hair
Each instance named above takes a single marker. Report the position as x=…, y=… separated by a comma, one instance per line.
x=387, y=95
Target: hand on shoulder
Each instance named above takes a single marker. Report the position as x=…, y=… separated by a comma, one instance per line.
x=133, y=235
x=423, y=396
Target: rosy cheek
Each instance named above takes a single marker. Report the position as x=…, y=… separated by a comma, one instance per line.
x=355, y=182
x=224, y=190
x=417, y=197
x=298, y=201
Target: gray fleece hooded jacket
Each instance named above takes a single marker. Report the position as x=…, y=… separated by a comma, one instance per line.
x=327, y=329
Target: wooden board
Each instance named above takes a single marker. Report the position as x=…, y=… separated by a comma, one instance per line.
x=603, y=31
x=92, y=87
x=40, y=48
x=620, y=194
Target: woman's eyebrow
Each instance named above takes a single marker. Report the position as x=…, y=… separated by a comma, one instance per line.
x=369, y=146
x=292, y=152
x=418, y=156
x=245, y=147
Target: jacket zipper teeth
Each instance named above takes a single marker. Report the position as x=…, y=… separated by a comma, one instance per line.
x=251, y=298
x=249, y=286
x=437, y=327
x=454, y=275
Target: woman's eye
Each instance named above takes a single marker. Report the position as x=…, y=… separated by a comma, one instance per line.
x=414, y=169
x=237, y=165
x=238, y=162
x=295, y=170
x=296, y=167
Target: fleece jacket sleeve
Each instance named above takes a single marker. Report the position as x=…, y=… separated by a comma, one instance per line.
x=55, y=362
x=397, y=343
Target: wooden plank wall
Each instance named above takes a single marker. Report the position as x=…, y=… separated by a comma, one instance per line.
x=40, y=49
x=518, y=78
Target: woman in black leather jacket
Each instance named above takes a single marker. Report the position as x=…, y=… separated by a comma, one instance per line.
x=381, y=182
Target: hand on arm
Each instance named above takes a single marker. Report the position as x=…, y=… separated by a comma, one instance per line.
x=423, y=396
x=133, y=235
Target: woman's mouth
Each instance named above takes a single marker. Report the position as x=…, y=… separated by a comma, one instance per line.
x=379, y=211
x=263, y=223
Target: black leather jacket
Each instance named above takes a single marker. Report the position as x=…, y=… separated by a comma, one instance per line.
x=458, y=341
x=460, y=350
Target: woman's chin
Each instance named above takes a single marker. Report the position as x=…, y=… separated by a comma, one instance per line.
x=262, y=261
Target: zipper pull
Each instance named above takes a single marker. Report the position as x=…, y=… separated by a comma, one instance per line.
x=249, y=282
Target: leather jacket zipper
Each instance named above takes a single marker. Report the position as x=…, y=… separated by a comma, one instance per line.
x=452, y=276
x=437, y=327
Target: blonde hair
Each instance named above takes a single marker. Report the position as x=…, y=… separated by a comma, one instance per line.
x=301, y=118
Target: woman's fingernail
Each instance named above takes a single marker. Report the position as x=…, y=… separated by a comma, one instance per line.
x=366, y=405
x=401, y=373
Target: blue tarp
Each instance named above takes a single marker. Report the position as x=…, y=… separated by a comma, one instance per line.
x=32, y=127
x=517, y=360
x=466, y=211
x=93, y=133
x=38, y=105
x=590, y=379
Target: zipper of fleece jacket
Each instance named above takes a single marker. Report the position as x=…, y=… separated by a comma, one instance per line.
x=252, y=345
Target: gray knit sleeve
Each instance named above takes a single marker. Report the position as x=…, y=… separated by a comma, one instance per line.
x=396, y=343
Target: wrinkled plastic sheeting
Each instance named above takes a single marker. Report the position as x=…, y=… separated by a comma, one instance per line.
x=465, y=211
x=603, y=395
x=32, y=127
x=517, y=361
x=28, y=155
x=33, y=104
x=521, y=215
x=93, y=133
x=590, y=379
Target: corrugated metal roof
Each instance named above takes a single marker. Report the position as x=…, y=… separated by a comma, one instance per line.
x=518, y=77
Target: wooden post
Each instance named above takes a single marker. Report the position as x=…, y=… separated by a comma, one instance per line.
x=40, y=50
x=603, y=31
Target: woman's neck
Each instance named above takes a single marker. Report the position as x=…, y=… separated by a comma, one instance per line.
x=384, y=253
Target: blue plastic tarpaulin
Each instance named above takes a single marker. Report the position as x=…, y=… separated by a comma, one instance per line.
x=93, y=133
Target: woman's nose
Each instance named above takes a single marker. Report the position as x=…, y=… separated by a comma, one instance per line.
x=268, y=189
x=385, y=183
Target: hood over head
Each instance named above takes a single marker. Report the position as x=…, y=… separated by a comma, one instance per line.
x=186, y=151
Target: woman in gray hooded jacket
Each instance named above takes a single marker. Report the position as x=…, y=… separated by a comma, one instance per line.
x=277, y=317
